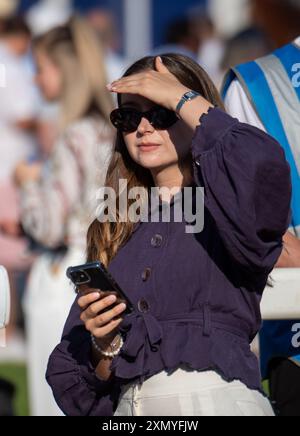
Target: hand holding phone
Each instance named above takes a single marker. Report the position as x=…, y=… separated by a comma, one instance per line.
x=93, y=276
x=101, y=316
x=102, y=301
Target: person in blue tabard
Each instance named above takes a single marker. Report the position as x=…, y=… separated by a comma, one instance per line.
x=266, y=93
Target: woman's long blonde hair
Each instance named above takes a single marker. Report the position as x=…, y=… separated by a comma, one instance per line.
x=105, y=239
x=78, y=53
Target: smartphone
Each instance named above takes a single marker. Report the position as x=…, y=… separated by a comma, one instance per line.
x=95, y=275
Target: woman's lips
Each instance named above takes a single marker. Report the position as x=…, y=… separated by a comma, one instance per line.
x=148, y=147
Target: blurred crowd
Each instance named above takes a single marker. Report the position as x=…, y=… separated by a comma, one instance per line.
x=56, y=142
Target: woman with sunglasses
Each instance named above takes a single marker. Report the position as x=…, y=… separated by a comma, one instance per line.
x=185, y=348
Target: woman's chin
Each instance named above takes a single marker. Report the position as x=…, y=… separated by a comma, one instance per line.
x=150, y=162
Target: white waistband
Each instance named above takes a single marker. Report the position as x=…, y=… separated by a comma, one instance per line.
x=182, y=380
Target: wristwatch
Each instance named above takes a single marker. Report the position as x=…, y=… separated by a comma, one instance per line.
x=188, y=96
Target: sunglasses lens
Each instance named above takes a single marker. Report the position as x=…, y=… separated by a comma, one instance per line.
x=126, y=120
x=162, y=118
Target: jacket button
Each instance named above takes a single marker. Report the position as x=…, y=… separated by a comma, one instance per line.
x=146, y=274
x=156, y=241
x=143, y=306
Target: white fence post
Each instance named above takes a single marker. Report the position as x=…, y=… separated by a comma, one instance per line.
x=282, y=302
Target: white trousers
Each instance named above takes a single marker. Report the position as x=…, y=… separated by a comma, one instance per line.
x=191, y=393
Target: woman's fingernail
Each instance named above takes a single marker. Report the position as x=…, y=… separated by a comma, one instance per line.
x=96, y=295
x=109, y=86
x=160, y=59
x=112, y=299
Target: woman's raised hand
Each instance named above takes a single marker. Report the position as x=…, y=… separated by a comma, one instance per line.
x=160, y=86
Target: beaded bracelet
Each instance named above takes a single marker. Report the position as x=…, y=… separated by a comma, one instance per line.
x=113, y=353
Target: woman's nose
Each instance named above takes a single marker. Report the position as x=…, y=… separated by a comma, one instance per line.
x=145, y=126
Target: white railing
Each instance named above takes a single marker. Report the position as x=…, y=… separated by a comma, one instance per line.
x=4, y=304
x=282, y=302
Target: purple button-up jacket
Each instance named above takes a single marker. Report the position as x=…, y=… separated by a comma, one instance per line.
x=196, y=296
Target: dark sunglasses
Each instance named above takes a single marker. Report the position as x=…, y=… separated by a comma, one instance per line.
x=127, y=120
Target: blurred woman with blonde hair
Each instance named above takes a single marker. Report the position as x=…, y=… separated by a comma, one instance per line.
x=58, y=196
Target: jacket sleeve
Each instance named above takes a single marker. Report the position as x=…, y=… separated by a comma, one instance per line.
x=247, y=186
x=76, y=388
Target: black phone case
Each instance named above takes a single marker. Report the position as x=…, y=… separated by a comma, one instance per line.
x=95, y=275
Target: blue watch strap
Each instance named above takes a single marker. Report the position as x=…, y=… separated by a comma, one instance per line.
x=188, y=96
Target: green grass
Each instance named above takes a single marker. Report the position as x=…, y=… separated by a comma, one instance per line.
x=266, y=387
x=16, y=374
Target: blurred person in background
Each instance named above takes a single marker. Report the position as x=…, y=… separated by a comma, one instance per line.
x=266, y=94
x=104, y=23
x=247, y=45
x=58, y=199
x=44, y=15
x=279, y=19
x=8, y=8
x=180, y=38
x=41, y=17
x=18, y=111
x=229, y=17
x=211, y=45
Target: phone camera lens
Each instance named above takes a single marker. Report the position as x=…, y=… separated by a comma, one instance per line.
x=81, y=278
